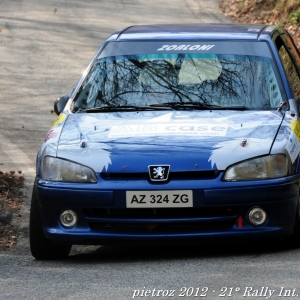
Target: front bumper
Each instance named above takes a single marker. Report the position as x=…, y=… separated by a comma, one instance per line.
x=220, y=210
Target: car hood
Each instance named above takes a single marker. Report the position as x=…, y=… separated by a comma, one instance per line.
x=185, y=140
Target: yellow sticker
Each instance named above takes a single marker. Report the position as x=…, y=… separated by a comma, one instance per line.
x=295, y=125
x=59, y=120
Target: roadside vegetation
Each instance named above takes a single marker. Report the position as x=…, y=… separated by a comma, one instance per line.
x=11, y=194
x=273, y=12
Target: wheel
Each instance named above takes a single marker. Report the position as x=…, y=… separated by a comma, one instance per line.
x=294, y=240
x=41, y=247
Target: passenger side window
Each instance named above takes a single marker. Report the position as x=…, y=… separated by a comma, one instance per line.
x=289, y=68
x=293, y=50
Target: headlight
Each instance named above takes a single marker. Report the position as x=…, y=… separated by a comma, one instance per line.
x=271, y=166
x=57, y=169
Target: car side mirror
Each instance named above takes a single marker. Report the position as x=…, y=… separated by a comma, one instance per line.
x=60, y=104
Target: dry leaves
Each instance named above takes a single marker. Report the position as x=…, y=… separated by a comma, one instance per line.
x=11, y=194
x=264, y=12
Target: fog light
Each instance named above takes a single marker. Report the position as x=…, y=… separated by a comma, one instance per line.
x=257, y=216
x=68, y=218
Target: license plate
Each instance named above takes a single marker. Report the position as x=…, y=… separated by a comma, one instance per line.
x=156, y=199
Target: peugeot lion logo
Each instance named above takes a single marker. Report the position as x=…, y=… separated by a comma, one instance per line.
x=159, y=173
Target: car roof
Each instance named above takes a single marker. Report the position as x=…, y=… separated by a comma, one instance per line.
x=208, y=31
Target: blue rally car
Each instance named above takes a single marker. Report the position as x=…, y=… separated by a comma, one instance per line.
x=174, y=133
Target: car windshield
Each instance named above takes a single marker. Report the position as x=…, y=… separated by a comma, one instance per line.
x=204, y=79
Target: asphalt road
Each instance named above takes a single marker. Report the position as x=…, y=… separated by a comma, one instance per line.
x=44, y=47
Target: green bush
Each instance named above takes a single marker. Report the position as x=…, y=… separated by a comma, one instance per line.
x=294, y=17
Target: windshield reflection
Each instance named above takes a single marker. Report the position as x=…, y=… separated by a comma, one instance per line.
x=142, y=80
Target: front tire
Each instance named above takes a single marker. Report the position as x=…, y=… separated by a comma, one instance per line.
x=41, y=247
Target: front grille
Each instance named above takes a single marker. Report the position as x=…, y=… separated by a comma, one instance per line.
x=172, y=176
x=160, y=220
x=162, y=228
x=185, y=212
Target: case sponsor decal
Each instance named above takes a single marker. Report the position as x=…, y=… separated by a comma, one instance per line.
x=190, y=129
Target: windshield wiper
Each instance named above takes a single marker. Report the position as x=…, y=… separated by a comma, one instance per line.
x=182, y=105
x=163, y=106
x=122, y=108
x=186, y=105
x=197, y=105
